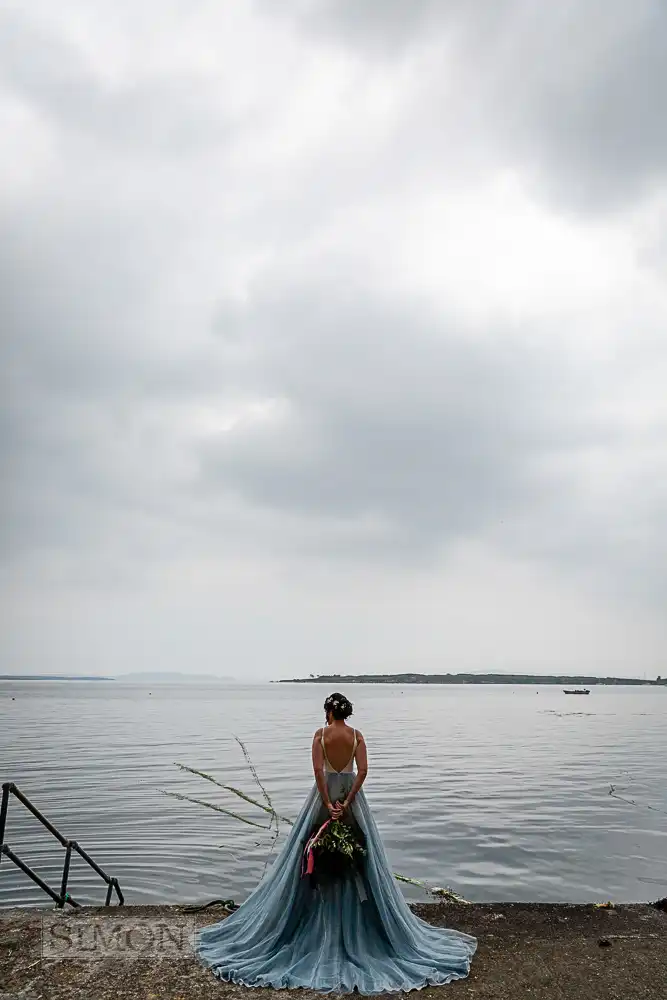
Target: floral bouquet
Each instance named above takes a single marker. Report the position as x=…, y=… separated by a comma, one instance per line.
x=332, y=851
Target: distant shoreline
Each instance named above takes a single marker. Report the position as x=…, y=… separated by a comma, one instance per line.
x=52, y=677
x=532, y=679
x=138, y=679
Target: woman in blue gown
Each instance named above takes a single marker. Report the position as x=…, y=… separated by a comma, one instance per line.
x=353, y=933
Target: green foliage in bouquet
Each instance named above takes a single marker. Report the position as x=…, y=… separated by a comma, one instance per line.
x=339, y=837
x=338, y=851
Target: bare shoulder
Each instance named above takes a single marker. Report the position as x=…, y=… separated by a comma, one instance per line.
x=360, y=736
x=318, y=733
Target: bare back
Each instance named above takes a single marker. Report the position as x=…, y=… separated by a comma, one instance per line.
x=340, y=746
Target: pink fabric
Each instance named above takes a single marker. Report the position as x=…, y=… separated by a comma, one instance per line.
x=308, y=863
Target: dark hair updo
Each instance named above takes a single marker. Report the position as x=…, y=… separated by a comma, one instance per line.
x=338, y=705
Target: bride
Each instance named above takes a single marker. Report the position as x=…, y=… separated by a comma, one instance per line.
x=353, y=932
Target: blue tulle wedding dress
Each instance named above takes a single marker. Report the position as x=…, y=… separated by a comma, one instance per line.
x=354, y=933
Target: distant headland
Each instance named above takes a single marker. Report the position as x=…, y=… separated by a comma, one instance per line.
x=53, y=677
x=143, y=677
x=172, y=677
x=533, y=679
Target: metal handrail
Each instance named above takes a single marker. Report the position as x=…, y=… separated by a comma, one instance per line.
x=63, y=896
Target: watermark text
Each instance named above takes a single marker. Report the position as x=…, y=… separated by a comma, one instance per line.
x=91, y=938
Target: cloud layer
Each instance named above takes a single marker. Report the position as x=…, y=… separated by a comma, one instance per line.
x=333, y=336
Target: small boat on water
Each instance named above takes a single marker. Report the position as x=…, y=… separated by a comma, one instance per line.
x=576, y=691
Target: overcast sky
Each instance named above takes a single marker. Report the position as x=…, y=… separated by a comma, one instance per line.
x=334, y=336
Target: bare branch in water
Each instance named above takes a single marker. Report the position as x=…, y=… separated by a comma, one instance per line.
x=236, y=791
x=444, y=892
x=274, y=814
x=254, y=773
x=632, y=802
x=210, y=805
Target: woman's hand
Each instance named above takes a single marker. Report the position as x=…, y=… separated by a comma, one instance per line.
x=338, y=810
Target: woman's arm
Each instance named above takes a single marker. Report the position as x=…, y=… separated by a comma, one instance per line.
x=361, y=758
x=318, y=768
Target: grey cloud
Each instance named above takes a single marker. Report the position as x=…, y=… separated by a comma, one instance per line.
x=169, y=115
x=401, y=431
x=388, y=27
x=399, y=415
x=573, y=93
x=78, y=366
x=587, y=102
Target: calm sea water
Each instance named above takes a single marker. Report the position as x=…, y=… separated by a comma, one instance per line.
x=501, y=793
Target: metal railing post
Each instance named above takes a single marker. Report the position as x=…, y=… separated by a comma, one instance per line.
x=3, y=813
x=63, y=884
x=119, y=893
